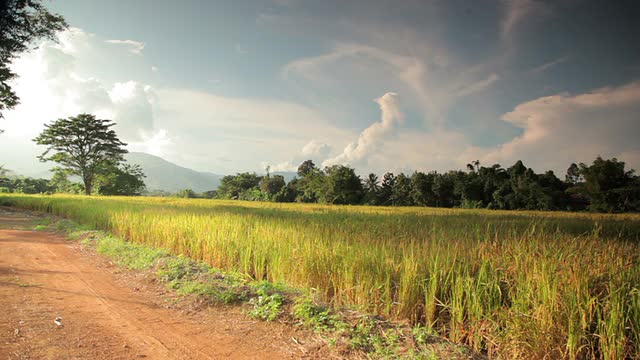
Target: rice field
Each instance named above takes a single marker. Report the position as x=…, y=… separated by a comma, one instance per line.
x=508, y=284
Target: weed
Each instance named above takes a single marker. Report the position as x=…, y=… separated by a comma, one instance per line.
x=267, y=305
x=317, y=317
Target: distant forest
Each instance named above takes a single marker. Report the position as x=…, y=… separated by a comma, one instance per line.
x=603, y=186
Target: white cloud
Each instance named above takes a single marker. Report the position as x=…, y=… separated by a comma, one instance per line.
x=252, y=132
x=133, y=109
x=371, y=138
x=557, y=130
x=283, y=166
x=561, y=129
x=432, y=82
x=411, y=149
x=154, y=143
x=134, y=47
x=58, y=80
x=122, y=91
x=316, y=149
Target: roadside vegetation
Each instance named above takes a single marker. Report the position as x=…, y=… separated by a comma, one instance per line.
x=506, y=284
x=346, y=332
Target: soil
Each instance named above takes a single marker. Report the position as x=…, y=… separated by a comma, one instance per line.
x=107, y=312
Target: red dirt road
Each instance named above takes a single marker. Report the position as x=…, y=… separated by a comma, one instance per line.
x=44, y=276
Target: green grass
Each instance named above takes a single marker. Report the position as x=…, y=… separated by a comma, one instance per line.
x=509, y=284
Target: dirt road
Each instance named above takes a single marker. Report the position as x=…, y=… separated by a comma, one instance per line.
x=103, y=316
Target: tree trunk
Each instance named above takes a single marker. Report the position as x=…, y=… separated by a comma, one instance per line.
x=87, y=186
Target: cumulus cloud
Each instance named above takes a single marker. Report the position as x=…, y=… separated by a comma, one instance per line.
x=316, y=149
x=561, y=129
x=371, y=138
x=133, y=112
x=411, y=149
x=63, y=79
x=252, y=132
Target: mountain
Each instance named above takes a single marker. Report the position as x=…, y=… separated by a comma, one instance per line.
x=160, y=173
x=167, y=176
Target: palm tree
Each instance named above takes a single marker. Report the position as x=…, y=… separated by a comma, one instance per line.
x=371, y=183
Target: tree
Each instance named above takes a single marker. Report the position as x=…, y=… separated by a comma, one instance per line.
x=289, y=192
x=22, y=22
x=232, y=186
x=443, y=186
x=386, y=189
x=401, y=194
x=342, y=186
x=187, y=194
x=60, y=183
x=272, y=184
x=371, y=183
x=371, y=187
x=311, y=187
x=608, y=186
x=421, y=188
x=306, y=167
x=125, y=180
x=83, y=146
x=209, y=194
x=573, y=176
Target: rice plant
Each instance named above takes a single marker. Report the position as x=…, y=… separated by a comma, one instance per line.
x=508, y=284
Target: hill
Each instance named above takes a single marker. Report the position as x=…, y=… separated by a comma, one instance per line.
x=164, y=175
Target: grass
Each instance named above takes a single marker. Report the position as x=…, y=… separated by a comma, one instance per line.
x=267, y=301
x=507, y=284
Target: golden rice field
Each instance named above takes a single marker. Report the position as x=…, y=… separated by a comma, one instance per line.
x=510, y=284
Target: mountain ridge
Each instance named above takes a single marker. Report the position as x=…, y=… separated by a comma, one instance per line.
x=164, y=175
x=167, y=176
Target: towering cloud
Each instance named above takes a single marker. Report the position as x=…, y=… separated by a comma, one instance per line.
x=371, y=138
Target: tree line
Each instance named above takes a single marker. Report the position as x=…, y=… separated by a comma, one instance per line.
x=603, y=186
x=87, y=149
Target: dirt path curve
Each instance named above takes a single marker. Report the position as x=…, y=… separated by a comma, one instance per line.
x=44, y=276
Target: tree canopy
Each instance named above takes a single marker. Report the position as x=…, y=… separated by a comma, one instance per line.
x=22, y=22
x=123, y=180
x=83, y=146
x=604, y=186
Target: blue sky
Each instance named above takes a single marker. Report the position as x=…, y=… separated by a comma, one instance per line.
x=228, y=86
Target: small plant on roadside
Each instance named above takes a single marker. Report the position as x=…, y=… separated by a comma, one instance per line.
x=266, y=305
x=317, y=317
x=130, y=255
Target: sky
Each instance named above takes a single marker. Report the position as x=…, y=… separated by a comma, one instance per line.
x=232, y=86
